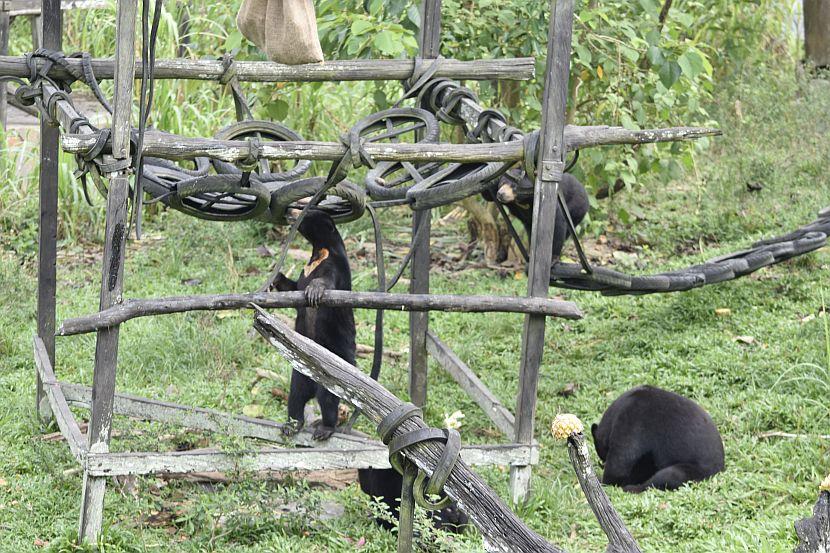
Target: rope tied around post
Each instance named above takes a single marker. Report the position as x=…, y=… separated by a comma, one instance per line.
x=230, y=78
x=416, y=485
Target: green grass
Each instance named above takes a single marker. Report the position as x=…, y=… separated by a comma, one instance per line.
x=674, y=341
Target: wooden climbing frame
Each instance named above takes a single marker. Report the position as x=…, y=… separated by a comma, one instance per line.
x=54, y=397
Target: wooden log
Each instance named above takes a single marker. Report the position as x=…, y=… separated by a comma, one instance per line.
x=271, y=72
x=577, y=137
x=48, y=217
x=5, y=22
x=112, y=274
x=501, y=529
x=322, y=457
x=814, y=532
x=54, y=394
x=33, y=7
x=170, y=146
x=472, y=384
x=620, y=539
x=208, y=420
x=132, y=309
x=551, y=159
x=429, y=43
x=817, y=32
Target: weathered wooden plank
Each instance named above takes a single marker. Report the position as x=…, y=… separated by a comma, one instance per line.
x=63, y=416
x=33, y=7
x=206, y=419
x=551, y=154
x=132, y=309
x=48, y=221
x=271, y=72
x=4, y=50
x=501, y=529
x=429, y=43
x=106, y=345
x=472, y=384
x=265, y=459
x=577, y=137
x=170, y=146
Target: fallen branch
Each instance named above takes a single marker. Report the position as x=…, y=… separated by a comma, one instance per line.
x=133, y=309
x=777, y=434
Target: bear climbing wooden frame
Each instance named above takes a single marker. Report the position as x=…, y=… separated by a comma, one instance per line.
x=54, y=397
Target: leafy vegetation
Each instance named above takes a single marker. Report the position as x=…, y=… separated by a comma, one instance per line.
x=775, y=127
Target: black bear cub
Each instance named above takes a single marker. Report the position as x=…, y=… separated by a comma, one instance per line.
x=573, y=192
x=386, y=484
x=653, y=438
x=331, y=327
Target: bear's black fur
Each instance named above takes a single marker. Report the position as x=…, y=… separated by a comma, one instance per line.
x=331, y=327
x=574, y=193
x=653, y=438
x=386, y=484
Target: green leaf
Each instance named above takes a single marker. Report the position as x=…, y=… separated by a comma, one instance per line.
x=388, y=42
x=277, y=109
x=583, y=54
x=691, y=64
x=669, y=73
x=380, y=99
x=360, y=26
x=630, y=53
x=414, y=15
x=655, y=56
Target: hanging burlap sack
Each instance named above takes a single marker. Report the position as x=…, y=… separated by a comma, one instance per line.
x=286, y=30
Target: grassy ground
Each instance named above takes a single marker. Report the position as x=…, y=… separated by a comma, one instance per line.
x=776, y=135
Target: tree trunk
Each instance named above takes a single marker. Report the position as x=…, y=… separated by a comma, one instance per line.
x=817, y=32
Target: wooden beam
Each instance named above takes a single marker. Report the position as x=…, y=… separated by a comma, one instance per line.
x=33, y=7
x=271, y=72
x=54, y=394
x=501, y=529
x=206, y=419
x=578, y=137
x=265, y=459
x=170, y=146
x=48, y=215
x=429, y=44
x=551, y=165
x=472, y=384
x=112, y=274
x=132, y=309
x=5, y=22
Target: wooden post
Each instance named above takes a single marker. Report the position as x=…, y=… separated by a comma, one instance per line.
x=817, y=32
x=48, y=225
x=106, y=347
x=5, y=21
x=429, y=40
x=549, y=166
x=36, y=23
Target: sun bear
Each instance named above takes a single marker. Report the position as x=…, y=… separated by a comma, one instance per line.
x=386, y=484
x=331, y=327
x=653, y=438
x=573, y=192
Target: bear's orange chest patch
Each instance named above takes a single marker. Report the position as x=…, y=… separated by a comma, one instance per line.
x=315, y=261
